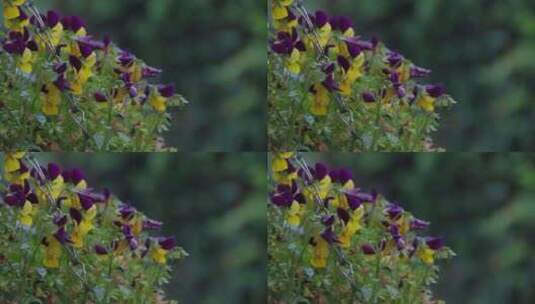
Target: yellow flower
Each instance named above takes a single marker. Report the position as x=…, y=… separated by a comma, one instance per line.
x=159, y=255
x=279, y=10
x=84, y=227
x=353, y=74
x=56, y=34
x=52, y=253
x=320, y=253
x=320, y=100
x=12, y=161
x=279, y=162
x=426, y=255
x=26, y=214
x=352, y=227
x=11, y=11
x=426, y=102
x=293, y=62
x=26, y=61
x=324, y=34
x=158, y=102
x=51, y=98
x=294, y=214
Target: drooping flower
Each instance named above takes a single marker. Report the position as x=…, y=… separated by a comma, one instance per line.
x=162, y=247
x=53, y=252
x=320, y=252
x=159, y=96
x=352, y=227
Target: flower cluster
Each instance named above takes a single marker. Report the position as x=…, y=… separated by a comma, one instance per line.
x=335, y=236
x=329, y=87
x=59, y=236
x=61, y=88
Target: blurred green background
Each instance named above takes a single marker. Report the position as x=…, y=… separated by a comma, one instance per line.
x=213, y=203
x=213, y=50
x=482, y=204
x=481, y=49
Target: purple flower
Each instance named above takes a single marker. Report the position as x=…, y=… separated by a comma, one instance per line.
x=166, y=90
x=394, y=211
x=434, y=243
x=394, y=59
x=152, y=224
x=126, y=211
x=341, y=175
x=52, y=19
x=101, y=250
x=60, y=220
x=167, y=243
x=62, y=236
x=367, y=249
x=320, y=19
x=342, y=214
x=368, y=97
x=150, y=72
x=435, y=90
x=417, y=224
x=75, y=215
x=329, y=235
x=86, y=200
x=419, y=72
x=327, y=220
x=54, y=170
x=320, y=171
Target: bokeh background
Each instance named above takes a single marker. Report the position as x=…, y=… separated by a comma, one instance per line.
x=213, y=50
x=213, y=203
x=483, y=204
x=481, y=49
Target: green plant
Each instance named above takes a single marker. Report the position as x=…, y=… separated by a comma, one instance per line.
x=62, y=89
x=62, y=241
x=331, y=242
x=329, y=89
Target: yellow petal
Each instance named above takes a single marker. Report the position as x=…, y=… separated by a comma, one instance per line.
x=11, y=12
x=158, y=102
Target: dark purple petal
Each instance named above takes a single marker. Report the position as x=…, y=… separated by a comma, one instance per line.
x=367, y=249
x=368, y=97
x=329, y=235
x=100, y=97
x=75, y=62
x=60, y=220
x=150, y=72
x=419, y=72
x=394, y=59
x=435, y=90
x=321, y=18
x=54, y=170
x=62, y=236
x=75, y=215
x=394, y=211
x=320, y=171
x=343, y=214
x=52, y=19
x=101, y=250
x=417, y=224
x=152, y=224
x=434, y=243
x=167, y=243
x=329, y=83
x=166, y=90
x=86, y=201
x=327, y=220
x=126, y=211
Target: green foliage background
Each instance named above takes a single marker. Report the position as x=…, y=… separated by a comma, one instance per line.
x=214, y=51
x=482, y=50
x=213, y=203
x=482, y=204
